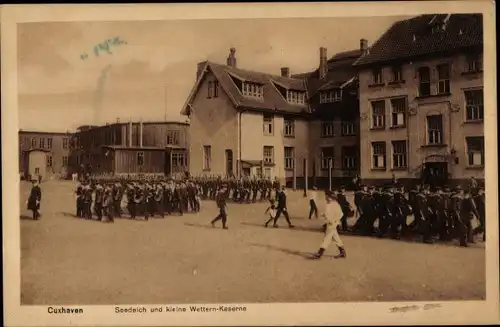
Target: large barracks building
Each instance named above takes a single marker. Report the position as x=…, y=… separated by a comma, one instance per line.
x=410, y=106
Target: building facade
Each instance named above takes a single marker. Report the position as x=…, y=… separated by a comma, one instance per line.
x=131, y=148
x=247, y=123
x=421, y=101
x=244, y=123
x=44, y=154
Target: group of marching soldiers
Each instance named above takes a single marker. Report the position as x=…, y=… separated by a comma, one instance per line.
x=149, y=198
x=439, y=213
x=140, y=198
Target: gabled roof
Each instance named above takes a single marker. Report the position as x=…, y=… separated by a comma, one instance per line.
x=414, y=37
x=272, y=99
x=340, y=74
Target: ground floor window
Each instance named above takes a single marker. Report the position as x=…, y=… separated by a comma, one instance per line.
x=179, y=159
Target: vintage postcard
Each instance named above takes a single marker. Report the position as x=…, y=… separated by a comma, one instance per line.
x=250, y=164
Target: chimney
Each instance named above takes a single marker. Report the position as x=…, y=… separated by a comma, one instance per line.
x=231, y=59
x=199, y=70
x=285, y=72
x=323, y=66
x=363, y=46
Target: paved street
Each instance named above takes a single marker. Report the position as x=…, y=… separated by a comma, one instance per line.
x=66, y=260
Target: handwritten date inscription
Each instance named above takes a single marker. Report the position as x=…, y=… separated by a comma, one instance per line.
x=104, y=47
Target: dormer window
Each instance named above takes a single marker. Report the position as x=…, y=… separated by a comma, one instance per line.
x=295, y=97
x=397, y=74
x=252, y=90
x=330, y=96
x=474, y=63
x=377, y=76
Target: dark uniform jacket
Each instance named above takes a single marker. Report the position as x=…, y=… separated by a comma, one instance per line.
x=35, y=195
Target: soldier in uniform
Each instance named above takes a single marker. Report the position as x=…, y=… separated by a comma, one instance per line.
x=454, y=209
x=159, y=201
x=480, y=203
x=87, y=201
x=117, y=194
x=398, y=224
x=222, y=205
x=79, y=201
x=346, y=208
x=34, y=199
x=108, y=204
x=468, y=211
x=99, y=197
x=282, y=208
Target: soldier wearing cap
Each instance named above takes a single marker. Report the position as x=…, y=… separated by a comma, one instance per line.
x=222, y=205
x=467, y=213
x=480, y=202
x=454, y=209
x=282, y=208
x=346, y=208
x=87, y=201
x=108, y=204
x=35, y=199
x=158, y=200
x=117, y=194
x=99, y=197
x=79, y=200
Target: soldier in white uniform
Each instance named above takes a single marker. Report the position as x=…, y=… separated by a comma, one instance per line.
x=332, y=215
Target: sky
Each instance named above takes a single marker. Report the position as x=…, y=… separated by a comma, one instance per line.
x=150, y=67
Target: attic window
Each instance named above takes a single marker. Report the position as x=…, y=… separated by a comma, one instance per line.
x=252, y=90
x=295, y=97
x=330, y=96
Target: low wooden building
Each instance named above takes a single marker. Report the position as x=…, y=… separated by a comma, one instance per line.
x=132, y=148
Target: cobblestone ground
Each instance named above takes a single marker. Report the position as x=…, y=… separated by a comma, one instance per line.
x=66, y=260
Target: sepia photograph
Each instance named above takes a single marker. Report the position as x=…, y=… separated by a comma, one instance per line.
x=203, y=166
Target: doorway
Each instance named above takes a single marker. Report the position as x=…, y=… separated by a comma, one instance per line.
x=229, y=162
x=435, y=173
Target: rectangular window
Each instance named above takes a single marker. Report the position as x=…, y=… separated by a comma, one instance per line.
x=173, y=137
x=268, y=125
x=179, y=159
x=65, y=161
x=216, y=89
x=33, y=142
x=207, y=157
x=377, y=76
x=379, y=155
x=295, y=97
x=289, y=157
x=268, y=155
x=348, y=129
x=210, y=90
x=327, y=157
x=42, y=143
x=349, y=155
x=49, y=143
x=49, y=161
x=399, y=154
x=397, y=74
x=140, y=158
x=475, y=151
x=474, y=105
x=474, y=63
x=252, y=90
x=289, y=128
x=443, y=79
x=435, y=129
x=378, y=114
x=398, y=112
x=424, y=87
x=327, y=129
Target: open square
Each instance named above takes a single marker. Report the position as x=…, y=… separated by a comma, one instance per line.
x=66, y=260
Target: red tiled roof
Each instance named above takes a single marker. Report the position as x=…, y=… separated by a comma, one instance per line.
x=414, y=37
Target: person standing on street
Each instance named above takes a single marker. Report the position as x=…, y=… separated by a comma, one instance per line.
x=313, y=209
x=222, y=205
x=281, y=208
x=332, y=216
x=34, y=199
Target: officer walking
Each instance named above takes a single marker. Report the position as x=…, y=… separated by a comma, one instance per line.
x=222, y=205
x=282, y=208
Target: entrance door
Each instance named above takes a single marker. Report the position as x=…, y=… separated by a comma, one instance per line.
x=229, y=162
x=435, y=173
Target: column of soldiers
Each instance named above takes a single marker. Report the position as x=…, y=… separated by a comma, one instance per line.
x=106, y=198
x=439, y=214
